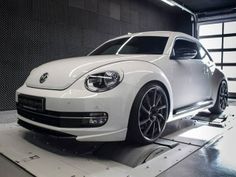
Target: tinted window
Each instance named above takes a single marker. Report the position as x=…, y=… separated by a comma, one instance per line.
x=145, y=45
x=184, y=44
x=110, y=47
x=136, y=45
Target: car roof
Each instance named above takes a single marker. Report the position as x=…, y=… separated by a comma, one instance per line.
x=172, y=34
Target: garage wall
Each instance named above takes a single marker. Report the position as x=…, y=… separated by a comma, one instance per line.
x=33, y=32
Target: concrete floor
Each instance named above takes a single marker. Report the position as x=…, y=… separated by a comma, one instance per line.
x=8, y=117
x=199, y=149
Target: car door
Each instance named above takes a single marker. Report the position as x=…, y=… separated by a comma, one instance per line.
x=201, y=74
x=189, y=82
x=208, y=70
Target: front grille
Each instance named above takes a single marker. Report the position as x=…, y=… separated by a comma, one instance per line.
x=31, y=102
x=29, y=107
x=55, y=118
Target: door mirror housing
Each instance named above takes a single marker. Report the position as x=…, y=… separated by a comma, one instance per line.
x=183, y=54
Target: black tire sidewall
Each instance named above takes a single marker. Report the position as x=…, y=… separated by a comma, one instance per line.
x=134, y=133
x=216, y=109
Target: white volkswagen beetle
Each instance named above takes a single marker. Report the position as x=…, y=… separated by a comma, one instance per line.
x=126, y=89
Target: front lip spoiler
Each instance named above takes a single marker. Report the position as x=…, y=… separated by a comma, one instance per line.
x=64, y=119
x=42, y=130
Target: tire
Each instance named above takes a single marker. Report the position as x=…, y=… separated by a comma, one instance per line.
x=222, y=99
x=149, y=114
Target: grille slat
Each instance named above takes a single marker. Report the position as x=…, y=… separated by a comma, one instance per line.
x=53, y=120
x=29, y=107
x=31, y=102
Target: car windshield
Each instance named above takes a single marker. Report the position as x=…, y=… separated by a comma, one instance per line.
x=133, y=45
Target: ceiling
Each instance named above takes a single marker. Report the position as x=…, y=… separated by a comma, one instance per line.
x=198, y=6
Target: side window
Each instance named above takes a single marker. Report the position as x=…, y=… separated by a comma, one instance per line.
x=186, y=48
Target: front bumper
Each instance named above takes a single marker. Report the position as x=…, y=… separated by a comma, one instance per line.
x=66, y=110
x=63, y=119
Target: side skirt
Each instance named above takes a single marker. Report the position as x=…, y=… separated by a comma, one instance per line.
x=192, y=109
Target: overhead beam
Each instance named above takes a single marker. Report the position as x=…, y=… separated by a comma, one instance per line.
x=182, y=7
x=217, y=15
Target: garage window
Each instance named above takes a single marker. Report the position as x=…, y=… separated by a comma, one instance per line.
x=220, y=40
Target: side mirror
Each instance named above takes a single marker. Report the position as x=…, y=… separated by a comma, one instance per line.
x=184, y=54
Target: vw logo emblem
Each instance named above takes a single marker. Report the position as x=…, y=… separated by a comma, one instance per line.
x=43, y=78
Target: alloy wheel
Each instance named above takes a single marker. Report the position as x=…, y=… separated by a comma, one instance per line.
x=223, y=96
x=153, y=113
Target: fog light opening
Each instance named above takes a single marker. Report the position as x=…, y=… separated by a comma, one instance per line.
x=97, y=119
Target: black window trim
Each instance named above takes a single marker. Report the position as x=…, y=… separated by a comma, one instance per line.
x=127, y=41
x=128, y=38
x=185, y=39
x=154, y=36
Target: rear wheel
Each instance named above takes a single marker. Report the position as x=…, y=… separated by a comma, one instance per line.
x=222, y=99
x=149, y=114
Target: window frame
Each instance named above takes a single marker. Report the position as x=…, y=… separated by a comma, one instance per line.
x=128, y=38
x=207, y=53
x=151, y=36
x=184, y=39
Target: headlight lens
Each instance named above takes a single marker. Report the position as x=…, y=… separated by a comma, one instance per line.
x=102, y=81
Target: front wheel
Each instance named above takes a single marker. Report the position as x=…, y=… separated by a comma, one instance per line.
x=148, y=115
x=222, y=99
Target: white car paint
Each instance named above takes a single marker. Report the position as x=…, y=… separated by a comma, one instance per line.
x=186, y=81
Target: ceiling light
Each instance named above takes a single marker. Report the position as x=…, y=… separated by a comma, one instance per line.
x=168, y=2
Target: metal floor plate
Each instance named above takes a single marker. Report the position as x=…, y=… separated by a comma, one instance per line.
x=49, y=156
x=10, y=169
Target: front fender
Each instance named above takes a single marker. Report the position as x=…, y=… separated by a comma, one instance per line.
x=135, y=75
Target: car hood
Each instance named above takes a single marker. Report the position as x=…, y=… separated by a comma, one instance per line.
x=62, y=73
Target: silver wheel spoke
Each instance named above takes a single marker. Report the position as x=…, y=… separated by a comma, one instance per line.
x=154, y=97
x=148, y=101
x=153, y=129
x=158, y=125
x=145, y=110
x=148, y=128
x=144, y=121
x=158, y=100
x=161, y=107
x=161, y=116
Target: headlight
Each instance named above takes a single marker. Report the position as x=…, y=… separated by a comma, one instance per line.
x=101, y=82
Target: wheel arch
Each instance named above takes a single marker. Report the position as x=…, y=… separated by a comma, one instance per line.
x=152, y=74
x=217, y=78
x=162, y=85
x=131, y=122
x=135, y=75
